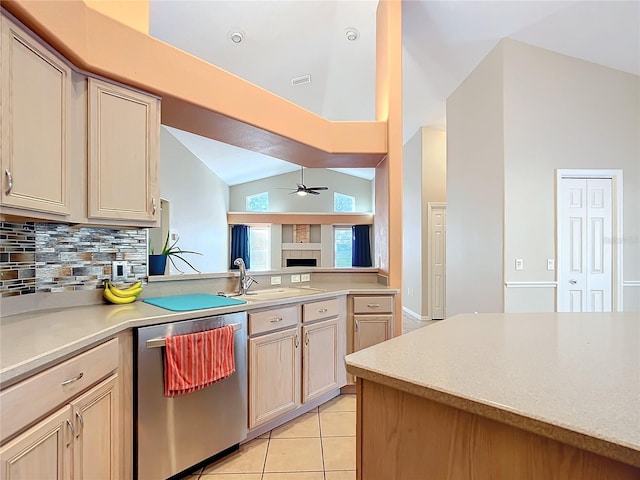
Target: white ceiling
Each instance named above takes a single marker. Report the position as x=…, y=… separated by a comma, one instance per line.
x=443, y=41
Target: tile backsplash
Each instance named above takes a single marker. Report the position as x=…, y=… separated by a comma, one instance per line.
x=54, y=257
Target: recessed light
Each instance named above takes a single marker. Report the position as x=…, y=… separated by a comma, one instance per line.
x=352, y=34
x=236, y=37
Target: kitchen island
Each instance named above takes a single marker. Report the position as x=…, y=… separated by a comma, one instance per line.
x=504, y=396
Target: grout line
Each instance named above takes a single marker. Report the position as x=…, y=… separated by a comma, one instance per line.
x=266, y=455
x=324, y=471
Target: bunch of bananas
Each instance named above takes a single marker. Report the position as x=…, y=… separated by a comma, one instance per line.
x=121, y=296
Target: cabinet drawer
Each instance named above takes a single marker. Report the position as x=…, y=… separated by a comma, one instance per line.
x=382, y=304
x=270, y=320
x=318, y=310
x=29, y=400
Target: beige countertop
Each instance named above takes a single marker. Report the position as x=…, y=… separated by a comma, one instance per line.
x=30, y=342
x=571, y=377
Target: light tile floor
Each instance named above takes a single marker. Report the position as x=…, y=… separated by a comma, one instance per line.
x=319, y=445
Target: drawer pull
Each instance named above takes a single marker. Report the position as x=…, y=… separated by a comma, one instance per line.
x=306, y=338
x=73, y=432
x=322, y=310
x=297, y=341
x=356, y=325
x=81, y=423
x=9, y=182
x=276, y=320
x=153, y=206
x=74, y=379
x=373, y=305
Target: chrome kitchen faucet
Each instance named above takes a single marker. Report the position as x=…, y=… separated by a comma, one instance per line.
x=245, y=280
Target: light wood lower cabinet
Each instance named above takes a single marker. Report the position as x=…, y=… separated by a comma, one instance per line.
x=274, y=375
x=79, y=441
x=43, y=451
x=369, y=330
x=321, y=354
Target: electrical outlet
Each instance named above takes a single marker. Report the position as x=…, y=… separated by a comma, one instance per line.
x=551, y=264
x=276, y=280
x=295, y=278
x=305, y=277
x=119, y=270
x=519, y=264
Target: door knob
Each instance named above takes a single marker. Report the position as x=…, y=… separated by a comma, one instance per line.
x=573, y=282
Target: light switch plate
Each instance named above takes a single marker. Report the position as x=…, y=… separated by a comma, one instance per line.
x=276, y=280
x=305, y=277
x=519, y=264
x=295, y=278
x=551, y=264
x=119, y=270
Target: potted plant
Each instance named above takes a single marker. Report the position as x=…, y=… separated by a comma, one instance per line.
x=158, y=262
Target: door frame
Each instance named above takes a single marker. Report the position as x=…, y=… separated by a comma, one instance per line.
x=615, y=176
x=431, y=206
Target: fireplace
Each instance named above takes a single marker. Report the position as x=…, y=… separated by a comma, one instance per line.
x=302, y=262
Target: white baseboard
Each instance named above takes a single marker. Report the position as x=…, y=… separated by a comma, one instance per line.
x=410, y=313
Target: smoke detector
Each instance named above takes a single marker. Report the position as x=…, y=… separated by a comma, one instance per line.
x=352, y=34
x=236, y=37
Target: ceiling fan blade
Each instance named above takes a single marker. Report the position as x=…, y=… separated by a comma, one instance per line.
x=317, y=188
x=313, y=192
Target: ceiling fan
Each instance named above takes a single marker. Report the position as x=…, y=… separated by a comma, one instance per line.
x=302, y=189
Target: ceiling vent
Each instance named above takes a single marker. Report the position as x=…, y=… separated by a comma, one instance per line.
x=301, y=80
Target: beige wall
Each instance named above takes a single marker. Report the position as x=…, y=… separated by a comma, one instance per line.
x=538, y=111
x=564, y=113
x=198, y=204
x=282, y=201
x=424, y=181
x=412, y=226
x=475, y=180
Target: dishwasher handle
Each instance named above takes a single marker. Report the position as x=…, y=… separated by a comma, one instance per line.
x=160, y=342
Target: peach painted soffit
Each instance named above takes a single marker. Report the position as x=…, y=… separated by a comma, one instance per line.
x=199, y=97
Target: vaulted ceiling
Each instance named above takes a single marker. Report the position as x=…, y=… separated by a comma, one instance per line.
x=443, y=41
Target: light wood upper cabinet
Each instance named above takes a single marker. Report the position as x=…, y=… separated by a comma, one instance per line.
x=42, y=451
x=36, y=96
x=96, y=452
x=124, y=129
x=321, y=354
x=274, y=375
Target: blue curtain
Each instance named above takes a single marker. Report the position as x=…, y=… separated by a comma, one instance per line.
x=360, y=246
x=240, y=244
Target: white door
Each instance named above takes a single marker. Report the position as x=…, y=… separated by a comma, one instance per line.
x=437, y=260
x=585, y=253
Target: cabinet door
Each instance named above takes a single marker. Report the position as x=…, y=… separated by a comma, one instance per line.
x=124, y=129
x=43, y=451
x=35, y=97
x=274, y=375
x=96, y=451
x=370, y=329
x=321, y=355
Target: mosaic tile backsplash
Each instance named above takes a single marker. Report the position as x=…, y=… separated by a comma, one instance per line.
x=53, y=257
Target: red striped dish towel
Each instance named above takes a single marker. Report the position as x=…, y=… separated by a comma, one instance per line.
x=196, y=360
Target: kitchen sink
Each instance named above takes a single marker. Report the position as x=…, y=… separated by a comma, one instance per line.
x=277, y=293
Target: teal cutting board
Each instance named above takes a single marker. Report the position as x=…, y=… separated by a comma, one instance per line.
x=194, y=301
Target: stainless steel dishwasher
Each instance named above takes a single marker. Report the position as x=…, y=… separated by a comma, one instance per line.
x=173, y=434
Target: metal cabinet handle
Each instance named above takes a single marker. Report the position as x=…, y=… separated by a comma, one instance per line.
x=73, y=432
x=153, y=206
x=322, y=310
x=74, y=379
x=306, y=338
x=356, y=325
x=573, y=282
x=9, y=182
x=81, y=423
x=276, y=320
x=297, y=341
x=373, y=305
